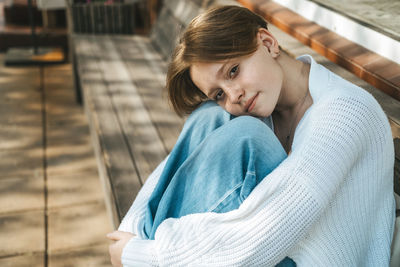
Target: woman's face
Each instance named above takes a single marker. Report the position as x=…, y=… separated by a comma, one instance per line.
x=249, y=85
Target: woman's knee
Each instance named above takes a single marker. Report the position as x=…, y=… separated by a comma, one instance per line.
x=247, y=127
x=209, y=113
x=204, y=120
x=244, y=133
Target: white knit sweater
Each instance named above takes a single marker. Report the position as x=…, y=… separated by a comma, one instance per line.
x=330, y=203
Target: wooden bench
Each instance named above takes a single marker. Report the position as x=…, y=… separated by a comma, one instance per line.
x=132, y=126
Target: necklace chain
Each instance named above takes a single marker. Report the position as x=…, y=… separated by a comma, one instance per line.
x=295, y=119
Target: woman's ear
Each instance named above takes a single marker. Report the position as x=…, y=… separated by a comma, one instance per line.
x=269, y=41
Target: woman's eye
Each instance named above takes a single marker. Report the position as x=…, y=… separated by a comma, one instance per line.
x=233, y=71
x=219, y=95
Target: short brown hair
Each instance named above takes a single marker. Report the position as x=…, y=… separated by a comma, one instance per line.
x=220, y=33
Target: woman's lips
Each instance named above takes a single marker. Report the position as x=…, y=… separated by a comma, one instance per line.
x=251, y=103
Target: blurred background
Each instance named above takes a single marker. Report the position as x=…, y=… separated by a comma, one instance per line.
x=61, y=189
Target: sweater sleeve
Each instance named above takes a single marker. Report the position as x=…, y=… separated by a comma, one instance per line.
x=282, y=209
x=130, y=223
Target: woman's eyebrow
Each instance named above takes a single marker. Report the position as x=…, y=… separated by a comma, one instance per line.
x=221, y=69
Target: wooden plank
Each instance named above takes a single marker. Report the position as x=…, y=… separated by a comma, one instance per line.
x=148, y=70
x=128, y=146
x=88, y=76
x=117, y=172
x=140, y=134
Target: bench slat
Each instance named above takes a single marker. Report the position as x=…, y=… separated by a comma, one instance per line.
x=138, y=129
x=119, y=176
x=147, y=70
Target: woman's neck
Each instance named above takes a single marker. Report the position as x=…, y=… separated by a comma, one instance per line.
x=295, y=85
x=293, y=101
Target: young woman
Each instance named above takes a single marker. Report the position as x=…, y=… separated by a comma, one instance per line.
x=281, y=162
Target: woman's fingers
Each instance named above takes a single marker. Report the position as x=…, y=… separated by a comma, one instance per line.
x=113, y=236
x=115, y=249
x=117, y=235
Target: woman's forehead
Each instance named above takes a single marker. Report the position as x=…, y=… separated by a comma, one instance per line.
x=207, y=68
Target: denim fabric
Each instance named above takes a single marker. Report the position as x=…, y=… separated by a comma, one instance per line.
x=215, y=164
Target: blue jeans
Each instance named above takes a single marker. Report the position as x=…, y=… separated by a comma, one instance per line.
x=215, y=164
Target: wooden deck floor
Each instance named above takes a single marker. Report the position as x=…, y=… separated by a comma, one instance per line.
x=52, y=210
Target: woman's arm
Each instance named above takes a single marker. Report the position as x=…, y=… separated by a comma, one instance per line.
x=136, y=212
x=284, y=206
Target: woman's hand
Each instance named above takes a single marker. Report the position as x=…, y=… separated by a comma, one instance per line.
x=115, y=249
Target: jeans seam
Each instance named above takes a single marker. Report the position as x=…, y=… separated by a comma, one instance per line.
x=226, y=195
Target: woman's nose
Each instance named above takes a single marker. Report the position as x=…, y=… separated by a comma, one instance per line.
x=235, y=94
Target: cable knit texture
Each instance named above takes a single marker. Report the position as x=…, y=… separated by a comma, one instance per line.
x=330, y=203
